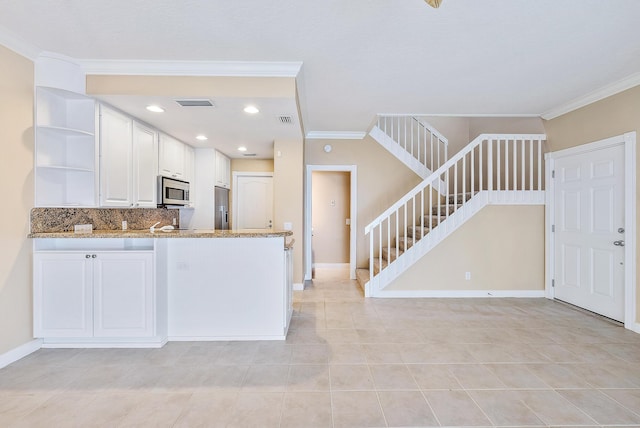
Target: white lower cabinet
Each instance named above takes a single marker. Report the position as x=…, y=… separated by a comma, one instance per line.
x=93, y=294
x=62, y=295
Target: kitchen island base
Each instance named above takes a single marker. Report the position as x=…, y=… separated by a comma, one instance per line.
x=228, y=289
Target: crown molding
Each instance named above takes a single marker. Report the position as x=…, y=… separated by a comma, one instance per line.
x=335, y=135
x=597, y=95
x=481, y=115
x=18, y=45
x=190, y=68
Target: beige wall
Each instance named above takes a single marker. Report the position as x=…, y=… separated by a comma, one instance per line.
x=381, y=179
x=251, y=165
x=460, y=131
x=16, y=176
x=609, y=117
x=195, y=85
x=288, y=201
x=504, y=125
x=501, y=246
x=330, y=209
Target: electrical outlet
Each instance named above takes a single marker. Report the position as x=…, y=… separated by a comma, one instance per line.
x=124, y=225
x=175, y=222
x=467, y=276
x=83, y=228
x=288, y=226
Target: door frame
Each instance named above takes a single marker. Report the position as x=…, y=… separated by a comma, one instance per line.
x=353, y=198
x=629, y=141
x=234, y=190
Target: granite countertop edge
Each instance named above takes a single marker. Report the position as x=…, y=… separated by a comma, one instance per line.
x=248, y=233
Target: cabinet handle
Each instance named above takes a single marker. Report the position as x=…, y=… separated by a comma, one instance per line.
x=87, y=256
x=93, y=256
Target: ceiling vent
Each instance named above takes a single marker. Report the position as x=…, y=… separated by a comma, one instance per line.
x=248, y=154
x=285, y=119
x=195, y=103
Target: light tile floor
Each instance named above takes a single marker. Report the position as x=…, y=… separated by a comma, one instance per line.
x=351, y=362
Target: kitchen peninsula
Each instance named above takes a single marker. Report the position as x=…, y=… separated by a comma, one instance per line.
x=135, y=288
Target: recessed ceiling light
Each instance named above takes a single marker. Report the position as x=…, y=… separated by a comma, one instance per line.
x=251, y=109
x=242, y=149
x=156, y=109
x=202, y=138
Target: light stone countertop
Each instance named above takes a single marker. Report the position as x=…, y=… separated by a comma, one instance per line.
x=178, y=233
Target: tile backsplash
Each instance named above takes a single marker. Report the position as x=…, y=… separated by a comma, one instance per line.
x=63, y=219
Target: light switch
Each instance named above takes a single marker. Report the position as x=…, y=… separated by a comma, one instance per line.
x=348, y=222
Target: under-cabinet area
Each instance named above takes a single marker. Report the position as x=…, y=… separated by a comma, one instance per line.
x=142, y=292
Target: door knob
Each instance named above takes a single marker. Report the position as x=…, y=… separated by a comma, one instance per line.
x=618, y=243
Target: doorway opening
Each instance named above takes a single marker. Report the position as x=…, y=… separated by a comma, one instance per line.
x=330, y=223
x=330, y=220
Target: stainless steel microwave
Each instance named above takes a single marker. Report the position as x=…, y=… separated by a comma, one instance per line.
x=172, y=191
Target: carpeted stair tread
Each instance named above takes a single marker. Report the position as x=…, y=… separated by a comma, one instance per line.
x=390, y=254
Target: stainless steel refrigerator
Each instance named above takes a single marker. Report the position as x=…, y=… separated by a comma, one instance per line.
x=221, y=207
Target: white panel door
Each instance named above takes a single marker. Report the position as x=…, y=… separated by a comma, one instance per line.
x=145, y=166
x=115, y=159
x=255, y=203
x=589, y=218
x=62, y=295
x=123, y=294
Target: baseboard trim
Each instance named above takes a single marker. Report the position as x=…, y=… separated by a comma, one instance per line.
x=459, y=293
x=20, y=352
x=635, y=327
x=222, y=338
x=156, y=342
x=298, y=286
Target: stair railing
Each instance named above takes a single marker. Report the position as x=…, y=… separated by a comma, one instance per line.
x=417, y=137
x=507, y=166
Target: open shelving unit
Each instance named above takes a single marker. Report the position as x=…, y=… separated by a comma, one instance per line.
x=65, y=152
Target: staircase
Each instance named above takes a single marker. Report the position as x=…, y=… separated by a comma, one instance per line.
x=492, y=169
x=411, y=140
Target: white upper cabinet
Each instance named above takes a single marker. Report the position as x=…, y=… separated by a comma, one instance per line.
x=65, y=151
x=171, y=162
x=145, y=166
x=223, y=171
x=116, y=159
x=128, y=161
x=189, y=164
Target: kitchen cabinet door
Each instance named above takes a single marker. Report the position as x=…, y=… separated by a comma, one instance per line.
x=123, y=294
x=223, y=171
x=116, y=140
x=62, y=294
x=171, y=158
x=145, y=166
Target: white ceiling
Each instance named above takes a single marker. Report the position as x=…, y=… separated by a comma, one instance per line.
x=225, y=125
x=363, y=57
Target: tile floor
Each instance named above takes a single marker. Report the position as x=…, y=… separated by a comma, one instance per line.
x=351, y=362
